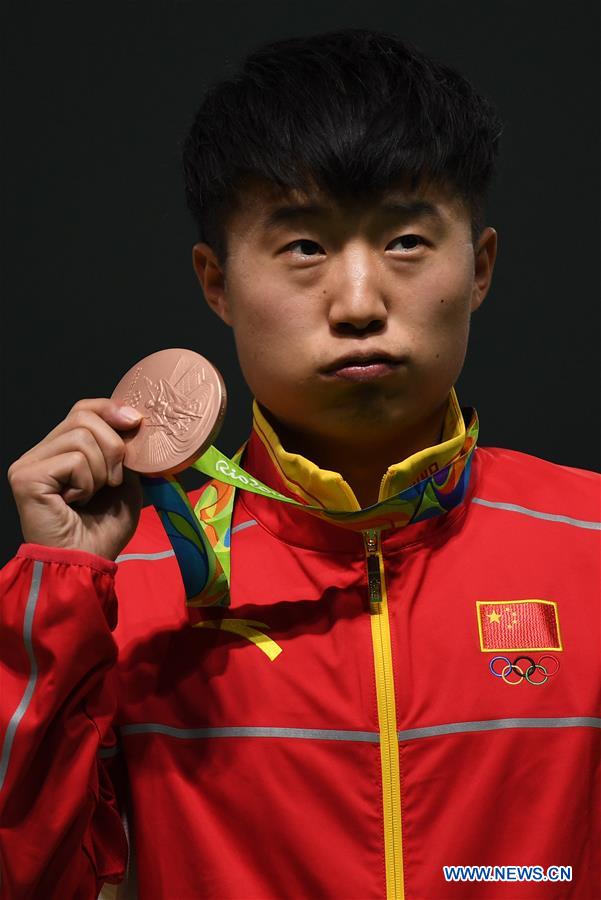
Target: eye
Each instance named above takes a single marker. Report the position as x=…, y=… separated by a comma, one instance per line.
x=410, y=242
x=306, y=244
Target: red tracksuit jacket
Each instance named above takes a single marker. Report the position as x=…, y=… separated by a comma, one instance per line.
x=308, y=742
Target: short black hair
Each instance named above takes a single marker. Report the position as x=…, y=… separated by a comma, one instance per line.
x=352, y=111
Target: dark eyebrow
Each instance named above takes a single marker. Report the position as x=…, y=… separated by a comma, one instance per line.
x=286, y=214
x=398, y=209
x=415, y=209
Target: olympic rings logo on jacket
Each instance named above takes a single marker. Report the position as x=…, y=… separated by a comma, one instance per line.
x=512, y=668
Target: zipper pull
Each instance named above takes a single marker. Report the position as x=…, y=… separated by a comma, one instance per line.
x=374, y=585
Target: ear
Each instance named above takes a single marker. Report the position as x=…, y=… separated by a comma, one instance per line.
x=212, y=280
x=485, y=254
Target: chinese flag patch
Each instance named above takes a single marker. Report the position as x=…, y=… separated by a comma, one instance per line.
x=518, y=625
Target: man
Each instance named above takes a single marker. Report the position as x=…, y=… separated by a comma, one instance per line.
x=381, y=696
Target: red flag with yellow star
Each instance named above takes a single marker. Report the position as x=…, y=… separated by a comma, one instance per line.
x=518, y=625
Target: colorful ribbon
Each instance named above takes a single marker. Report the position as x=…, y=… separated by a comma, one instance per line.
x=201, y=537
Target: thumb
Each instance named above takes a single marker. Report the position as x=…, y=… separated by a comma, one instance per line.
x=126, y=416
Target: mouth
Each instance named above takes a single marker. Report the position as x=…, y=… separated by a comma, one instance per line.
x=357, y=368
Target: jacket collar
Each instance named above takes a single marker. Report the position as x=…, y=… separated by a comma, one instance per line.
x=306, y=482
x=298, y=477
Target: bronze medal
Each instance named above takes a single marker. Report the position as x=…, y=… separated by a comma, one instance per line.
x=183, y=399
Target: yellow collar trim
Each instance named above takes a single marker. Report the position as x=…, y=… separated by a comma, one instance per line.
x=329, y=489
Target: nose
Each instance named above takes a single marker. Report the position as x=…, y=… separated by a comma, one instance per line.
x=356, y=298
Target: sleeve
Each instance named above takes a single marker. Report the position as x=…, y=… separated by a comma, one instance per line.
x=61, y=833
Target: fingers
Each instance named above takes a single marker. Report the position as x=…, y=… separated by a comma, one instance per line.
x=73, y=469
x=89, y=434
x=68, y=467
x=108, y=410
x=100, y=453
x=85, y=447
x=89, y=428
x=52, y=475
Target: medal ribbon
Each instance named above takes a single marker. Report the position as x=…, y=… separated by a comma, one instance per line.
x=201, y=537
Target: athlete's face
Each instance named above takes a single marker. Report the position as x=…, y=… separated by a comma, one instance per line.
x=302, y=288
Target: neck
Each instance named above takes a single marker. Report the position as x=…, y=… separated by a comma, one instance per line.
x=362, y=464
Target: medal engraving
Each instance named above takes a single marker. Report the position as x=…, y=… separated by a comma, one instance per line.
x=183, y=399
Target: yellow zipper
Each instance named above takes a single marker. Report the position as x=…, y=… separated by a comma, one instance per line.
x=389, y=748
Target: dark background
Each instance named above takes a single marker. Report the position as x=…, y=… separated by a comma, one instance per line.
x=96, y=245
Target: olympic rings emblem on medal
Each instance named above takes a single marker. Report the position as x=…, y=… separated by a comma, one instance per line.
x=512, y=673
